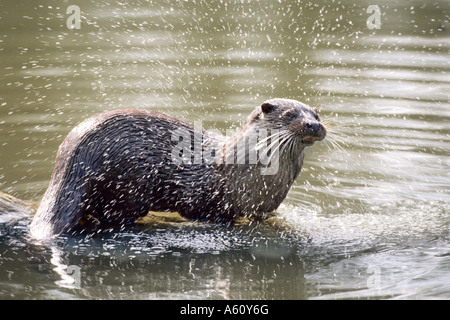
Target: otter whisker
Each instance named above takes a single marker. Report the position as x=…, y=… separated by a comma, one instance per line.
x=336, y=142
x=280, y=141
x=284, y=141
x=289, y=140
x=266, y=150
x=337, y=134
x=335, y=138
x=261, y=143
x=292, y=147
x=329, y=124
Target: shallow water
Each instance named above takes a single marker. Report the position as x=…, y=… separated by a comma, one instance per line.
x=368, y=217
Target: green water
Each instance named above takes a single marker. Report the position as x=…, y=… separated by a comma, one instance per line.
x=367, y=218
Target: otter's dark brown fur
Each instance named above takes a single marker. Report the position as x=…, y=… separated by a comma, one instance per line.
x=119, y=165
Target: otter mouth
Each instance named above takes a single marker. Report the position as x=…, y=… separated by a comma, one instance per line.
x=311, y=132
x=310, y=140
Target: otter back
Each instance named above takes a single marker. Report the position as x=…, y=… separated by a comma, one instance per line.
x=116, y=167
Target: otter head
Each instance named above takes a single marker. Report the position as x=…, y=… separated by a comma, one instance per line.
x=300, y=120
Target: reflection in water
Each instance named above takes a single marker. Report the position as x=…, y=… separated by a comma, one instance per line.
x=368, y=216
x=70, y=275
x=179, y=262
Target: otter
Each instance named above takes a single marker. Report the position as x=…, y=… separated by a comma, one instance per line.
x=117, y=166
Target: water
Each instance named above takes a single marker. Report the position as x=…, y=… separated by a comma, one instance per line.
x=368, y=217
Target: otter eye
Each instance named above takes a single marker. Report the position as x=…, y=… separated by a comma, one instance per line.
x=291, y=115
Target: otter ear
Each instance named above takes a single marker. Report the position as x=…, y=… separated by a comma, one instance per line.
x=267, y=107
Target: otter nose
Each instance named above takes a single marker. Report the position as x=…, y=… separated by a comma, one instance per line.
x=314, y=128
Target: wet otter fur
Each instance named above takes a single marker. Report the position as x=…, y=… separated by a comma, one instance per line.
x=117, y=166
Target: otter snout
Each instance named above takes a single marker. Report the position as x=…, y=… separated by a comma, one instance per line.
x=312, y=132
x=316, y=130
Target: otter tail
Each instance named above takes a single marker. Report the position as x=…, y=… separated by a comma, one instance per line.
x=10, y=204
x=58, y=212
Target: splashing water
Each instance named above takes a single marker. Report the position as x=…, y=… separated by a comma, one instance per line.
x=368, y=216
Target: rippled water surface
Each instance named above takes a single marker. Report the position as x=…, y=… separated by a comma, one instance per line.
x=368, y=217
